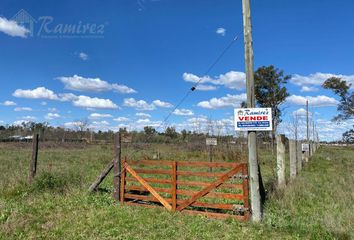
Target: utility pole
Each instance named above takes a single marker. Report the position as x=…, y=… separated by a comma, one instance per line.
x=307, y=126
x=251, y=103
x=313, y=129
x=307, y=121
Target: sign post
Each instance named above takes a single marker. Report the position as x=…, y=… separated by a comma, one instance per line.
x=211, y=142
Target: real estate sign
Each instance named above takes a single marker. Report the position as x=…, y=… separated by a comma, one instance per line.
x=305, y=147
x=211, y=141
x=253, y=119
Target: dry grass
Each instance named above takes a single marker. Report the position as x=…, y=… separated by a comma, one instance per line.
x=319, y=204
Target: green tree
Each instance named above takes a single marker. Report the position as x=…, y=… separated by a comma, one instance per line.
x=149, y=131
x=348, y=136
x=123, y=130
x=171, y=132
x=184, y=134
x=346, y=104
x=271, y=92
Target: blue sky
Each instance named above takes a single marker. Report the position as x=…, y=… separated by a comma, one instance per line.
x=138, y=58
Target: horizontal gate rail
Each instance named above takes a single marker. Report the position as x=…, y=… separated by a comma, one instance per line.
x=192, y=190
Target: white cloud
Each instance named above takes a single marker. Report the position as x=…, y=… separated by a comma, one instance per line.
x=159, y=103
x=9, y=103
x=43, y=103
x=83, y=56
x=88, y=102
x=121, y=119
x=200, y=119
x=204, y=124
x=330, y=131
x=29, y=118
x=37, y=93
x=146, y=120
x=139, y=105
x=227, y=101
x=300, y=112
x=308, y=89
x=183, y=112
x=20, y=122
x=231, y=79
x=122, y=88
x=319, y=101
x=51, y=116
x=221, y=31
x=11, y=28
x=73, y=124
x=99, y=123
x=316, y=79
x=78, y=101
x=79, y=83
x=99, y=115
x=143, y=115
x=67, y=97
x=202, y=87
x=141, y=123
x=52, y=110
x=190, y=77
x=20, y=109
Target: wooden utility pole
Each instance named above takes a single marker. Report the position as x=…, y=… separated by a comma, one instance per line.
x=255, y=196
x=313, y=130
x=117, y=167
x=307, y=125
x=210, y=156
x=33, y=163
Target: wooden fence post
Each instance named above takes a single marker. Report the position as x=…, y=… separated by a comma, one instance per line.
x=299, y=157
x=281, y=160
x=292, y=155
x=122, y=181
x=117, y=168
x=210, y=156
x=33, y=163
x=174, y=186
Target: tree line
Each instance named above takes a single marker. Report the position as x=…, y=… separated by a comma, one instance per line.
x=270, y=91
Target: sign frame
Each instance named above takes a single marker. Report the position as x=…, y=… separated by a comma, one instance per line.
x=211, y=141
x=305, y=147
x=253, y=119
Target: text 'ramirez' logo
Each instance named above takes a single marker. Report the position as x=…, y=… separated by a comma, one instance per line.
x=46, y=27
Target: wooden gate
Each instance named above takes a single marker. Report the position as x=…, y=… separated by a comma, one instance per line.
x=218, y=189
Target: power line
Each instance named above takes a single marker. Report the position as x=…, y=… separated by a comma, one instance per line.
x=194, y=87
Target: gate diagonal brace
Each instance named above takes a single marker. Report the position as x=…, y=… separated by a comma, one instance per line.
x=210, y=187
x=148, y=187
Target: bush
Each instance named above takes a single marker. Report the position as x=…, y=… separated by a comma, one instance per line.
x=50, y=181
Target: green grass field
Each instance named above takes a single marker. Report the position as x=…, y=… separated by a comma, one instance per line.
x=319, y=204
